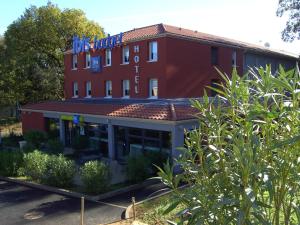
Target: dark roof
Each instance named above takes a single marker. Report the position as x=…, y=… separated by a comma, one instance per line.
x=152, y=109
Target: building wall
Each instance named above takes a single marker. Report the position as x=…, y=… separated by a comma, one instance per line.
x=32, y=121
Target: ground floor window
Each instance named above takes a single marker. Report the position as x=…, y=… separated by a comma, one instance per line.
x=52, y=128
x=135, y=141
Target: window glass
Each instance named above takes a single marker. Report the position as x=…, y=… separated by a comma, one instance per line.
x=125, y=54
x=108, y=57
x=88, y=60
x=153, y=88
x=126, y=88
x=214, y=56
x=88, y=89
x=135, y=131
x=152, y=133
x=108, y=88
x=75, y=89
x=74, y=62
x=153, y=51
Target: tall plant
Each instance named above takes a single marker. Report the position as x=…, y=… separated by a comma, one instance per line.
x=243, y=161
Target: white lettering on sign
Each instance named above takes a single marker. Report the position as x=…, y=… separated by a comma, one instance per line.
x=136, y=58
x=136, y=79
x=136, y=49
x=136, y=69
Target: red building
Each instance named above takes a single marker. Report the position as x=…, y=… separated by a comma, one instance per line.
x=136, y=100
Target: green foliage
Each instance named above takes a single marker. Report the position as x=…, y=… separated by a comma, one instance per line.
x=138, y=168
x=10, y=162
x=59, y=171
x=243, y=160
x=12, y=140
x=55, y=146
x=80, y=142
x=95, y=176
x=32, y=52
x=292, y=27
x=35, y=138
x=35, y=165
x=49, y=169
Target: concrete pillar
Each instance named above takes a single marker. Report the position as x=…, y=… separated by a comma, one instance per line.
x=111, y=142
x=177, y=141
x=62, y=131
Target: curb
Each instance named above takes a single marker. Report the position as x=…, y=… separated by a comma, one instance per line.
x=129, y=208
x=79, y=195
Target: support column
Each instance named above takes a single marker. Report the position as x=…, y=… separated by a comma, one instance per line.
x=177, y=141
x=62, y=131
x=111, y=142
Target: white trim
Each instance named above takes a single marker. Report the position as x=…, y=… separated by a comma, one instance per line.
x=75, y=96
x=151, y=61
x=123, y=64
x=107, y=65
x=74, y=69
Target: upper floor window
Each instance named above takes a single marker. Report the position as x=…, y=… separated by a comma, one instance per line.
x=74, y=62
x=125, y=55
x=88, y=89
x=214, y=56
x=108, y=88
x=126, y=88
x=87, y=60
x=153, y=55
x=108, y=57
x=234, y=59
x=153, y=88
x=75, y=89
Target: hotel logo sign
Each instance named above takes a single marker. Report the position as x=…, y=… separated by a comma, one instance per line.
x=84, y=45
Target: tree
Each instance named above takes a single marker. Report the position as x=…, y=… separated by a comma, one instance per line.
x=35, y=44
x=292, y=28
x=242, y=162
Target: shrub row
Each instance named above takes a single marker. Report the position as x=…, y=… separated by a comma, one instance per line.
x=10, y=162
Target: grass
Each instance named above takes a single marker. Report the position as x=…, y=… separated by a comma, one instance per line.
x=152, y=212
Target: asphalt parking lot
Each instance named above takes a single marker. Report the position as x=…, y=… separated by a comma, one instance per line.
x=22, y=205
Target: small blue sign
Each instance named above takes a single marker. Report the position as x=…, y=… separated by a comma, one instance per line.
x=96, y=64
x=76, y=119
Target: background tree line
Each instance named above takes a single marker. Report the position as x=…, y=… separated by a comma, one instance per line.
x=31, y=52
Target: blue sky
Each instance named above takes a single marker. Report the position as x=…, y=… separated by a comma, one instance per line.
x=252, y=21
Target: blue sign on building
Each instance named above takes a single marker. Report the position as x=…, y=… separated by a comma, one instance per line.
x=96, y=64
x=76, y=119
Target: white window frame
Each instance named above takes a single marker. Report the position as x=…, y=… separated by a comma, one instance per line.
x=126, y=88
x=87, y=60
x=75, y=89
x=125, y=55
x=108, y=57
x=74, y=62
x=108, y=88
x=88, y=89
x=152, y=87
x=233, y=58
x=153, y=51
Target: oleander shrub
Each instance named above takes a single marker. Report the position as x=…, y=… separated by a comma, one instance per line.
x=55, y=146
x=35, y=165
x=60, y=171
x=243, y=161
x=10, y=162
x=95, y=176
x=138, y=168
x=35, y=138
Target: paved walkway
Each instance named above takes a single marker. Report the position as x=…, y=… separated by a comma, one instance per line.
x=20, y=205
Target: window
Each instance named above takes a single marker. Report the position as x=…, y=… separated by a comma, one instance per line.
x=87, y=60
x=153, y=88
x=234, y=58
x=153, y=51
x=75, y=89
x=126, y=88
x=108, y=88
x=108, y=57
x=125, y=55
x=214, y=56
x=88, y=88
x=74, y=62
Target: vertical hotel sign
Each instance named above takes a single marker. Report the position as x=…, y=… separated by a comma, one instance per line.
x=136, y=59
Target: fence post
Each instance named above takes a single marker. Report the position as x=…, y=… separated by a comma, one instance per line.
x=82, y=211
x=133, y=207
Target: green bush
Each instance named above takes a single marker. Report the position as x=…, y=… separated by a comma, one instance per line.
x=80, y=142
x=10, y=162
x=138, y=168
x=35, y=138
x=35, y=165
x=12, y=140
x=155, y=159
x=243, y=161
x=95, y=176
x=59, y=171
x=55, y=146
